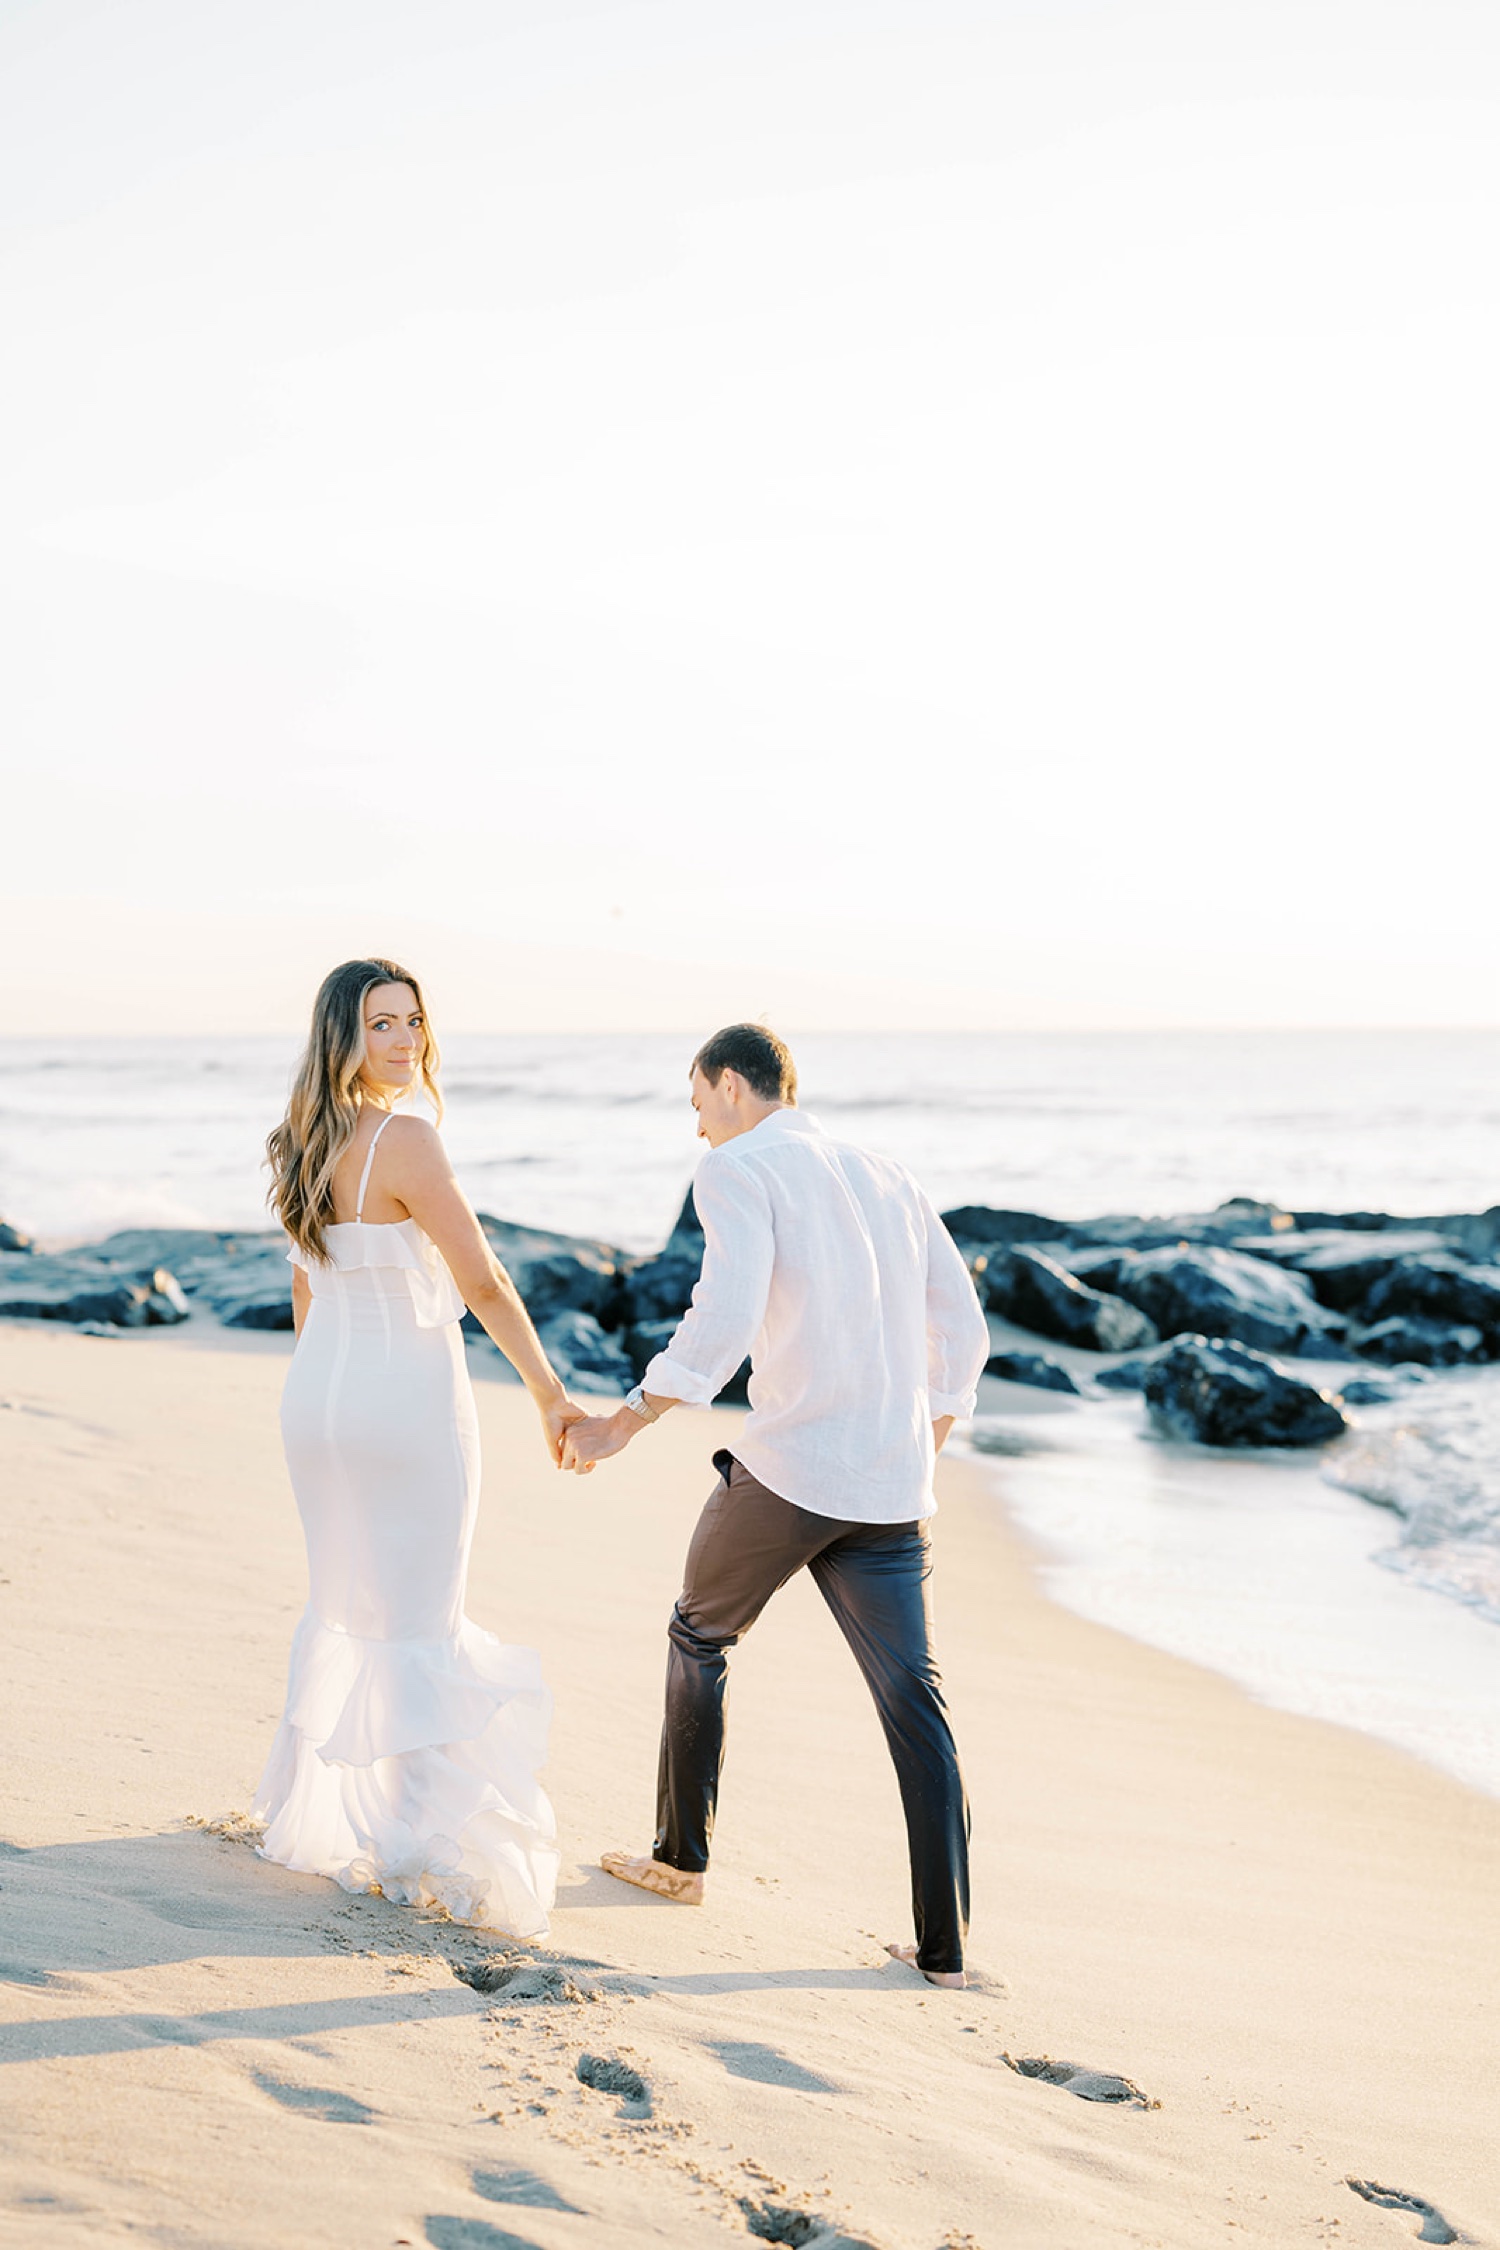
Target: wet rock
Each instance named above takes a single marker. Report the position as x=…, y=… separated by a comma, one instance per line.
x=557, y=1272
x=1202, y=1290
x=1130, y=1374
x=1340, y=1265
x=581, y=1351
x=242, y=1278
x=978, y=1227
x=644, y=1339
x=688, y=1227
x=189, y=1252
x=269, y=1308
x=1034, y=1290
x=1220, y=1393
x=248, y=1286
x=1242, y=1214
x=165, y=1302
x=1369, y=1390
x=1437, y=1287
x=1330, y=1343
x=74, y=1289
x=1097, y=1266
x=659, y=1288
x=1354, y=1222
x=14, y=1243
x=1431, y=1343
x=1035, y=1368
x=567, y=1281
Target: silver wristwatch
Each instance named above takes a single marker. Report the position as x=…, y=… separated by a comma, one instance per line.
x=636, y=1401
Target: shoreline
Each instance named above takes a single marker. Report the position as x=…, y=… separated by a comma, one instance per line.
x=1280, y=1930
x=1257, y=1568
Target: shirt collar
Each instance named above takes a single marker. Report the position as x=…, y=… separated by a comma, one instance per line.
x=779, y=1121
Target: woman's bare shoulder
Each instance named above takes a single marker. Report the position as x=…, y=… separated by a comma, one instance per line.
x=414, y=1140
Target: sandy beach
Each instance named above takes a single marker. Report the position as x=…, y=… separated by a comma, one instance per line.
x=1284, y=1933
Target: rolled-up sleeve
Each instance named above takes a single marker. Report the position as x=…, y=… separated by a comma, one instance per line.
x=728, y=1305
x=958, y=1336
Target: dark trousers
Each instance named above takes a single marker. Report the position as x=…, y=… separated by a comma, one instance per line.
x=875, y=1578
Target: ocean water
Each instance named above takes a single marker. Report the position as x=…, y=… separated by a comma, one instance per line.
x=1267, y=1567
x=1363, y=1586
x=594, y=1135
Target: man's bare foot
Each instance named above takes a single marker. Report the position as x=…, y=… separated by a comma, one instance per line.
x=953, y=1979
x=650, y=1875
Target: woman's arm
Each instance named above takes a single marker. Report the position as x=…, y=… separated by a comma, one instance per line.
x=301, y=1297
x=419, y=1176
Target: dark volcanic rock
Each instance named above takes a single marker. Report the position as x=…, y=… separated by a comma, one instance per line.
x=579, y=1349
x=1035, y=1368
x=1369, y=1390
x=1325, y=1343
x=14, y=1243
x=979, y=1227
x=33, y=1287
x=1130, y=1375
x=1437, y=1287
x=1096, y=1266
x=269, y=1308
x=557, y=1272
x=248, y=1286
x=567, y=1281
x=1356, y=1222
x=1340, y=1265
x=515, y=1245
x=644, y=1339
x=242, y=1278
x=1028, y=1287
x=186, y=1250
x=688, y=1227
x=659, y=1288
x=1199, y=1289
x=1218, y=1393
x=1431, y=1343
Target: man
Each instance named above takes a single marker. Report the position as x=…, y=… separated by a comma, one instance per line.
x=831, y=1269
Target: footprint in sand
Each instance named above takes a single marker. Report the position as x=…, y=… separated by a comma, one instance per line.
x=608, y=2075
x=1435, y=2227
x=528, y=1980
x=1088, y=2085
x=24, y=1972
x=446, y=2232
x=316, y=2101
x=527, y=2188
x=747, y=2058
x=779, y=2222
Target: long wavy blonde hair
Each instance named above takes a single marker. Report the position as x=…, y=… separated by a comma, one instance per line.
x=305, y=1148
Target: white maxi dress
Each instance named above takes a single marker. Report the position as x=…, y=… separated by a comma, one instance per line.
x=408, y=1754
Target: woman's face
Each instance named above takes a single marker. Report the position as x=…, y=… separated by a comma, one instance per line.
x=395, y=1037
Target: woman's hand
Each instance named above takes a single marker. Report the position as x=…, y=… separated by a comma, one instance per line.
x=558, y=1417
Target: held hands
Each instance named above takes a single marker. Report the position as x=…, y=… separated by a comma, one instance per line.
x=560, y=1416
x=596, y=1437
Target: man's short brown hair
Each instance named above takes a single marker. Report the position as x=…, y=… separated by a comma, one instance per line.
x=761, y=1059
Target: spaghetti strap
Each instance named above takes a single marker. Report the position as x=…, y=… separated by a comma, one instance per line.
x=364, y=1177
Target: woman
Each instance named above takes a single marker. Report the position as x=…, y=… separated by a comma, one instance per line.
x=407, y=1757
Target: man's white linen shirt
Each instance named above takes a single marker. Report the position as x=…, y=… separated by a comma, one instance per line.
x=829, y=1266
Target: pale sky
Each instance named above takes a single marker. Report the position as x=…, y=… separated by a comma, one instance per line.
x=890, y=512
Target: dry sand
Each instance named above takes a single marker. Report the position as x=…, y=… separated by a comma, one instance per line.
x=1283, y=1933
